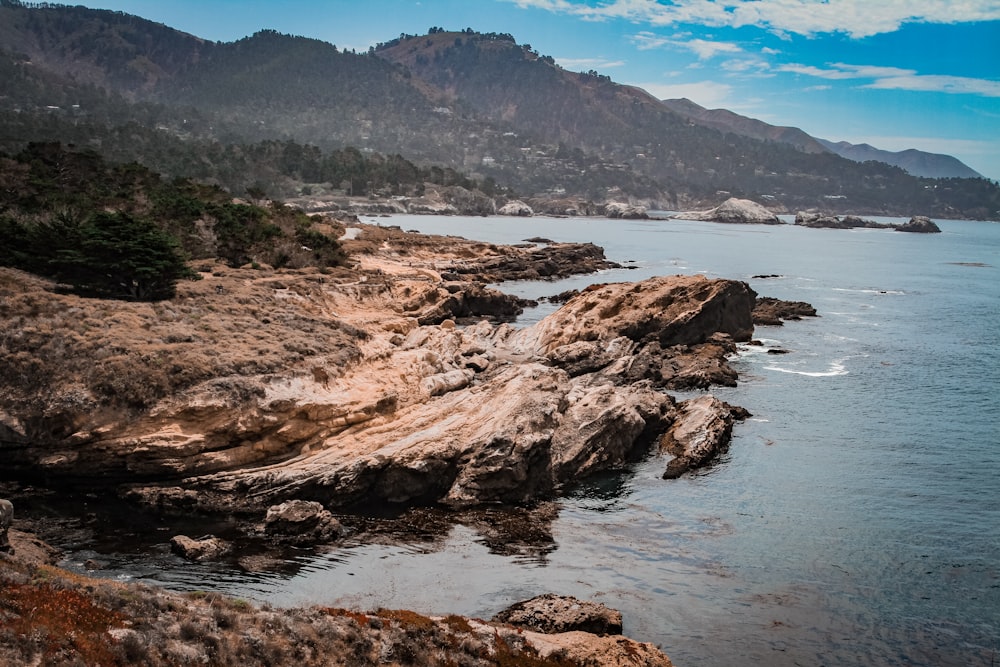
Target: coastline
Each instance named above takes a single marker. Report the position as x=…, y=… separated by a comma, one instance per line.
x=597, y=368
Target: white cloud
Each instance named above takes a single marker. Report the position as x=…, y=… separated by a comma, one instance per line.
x=588, y=63
x=646, y=41
x=940, y=84
x=709, y=94
x=857, y=18
x=703, y=48
x=895, y=78
x=750, y=66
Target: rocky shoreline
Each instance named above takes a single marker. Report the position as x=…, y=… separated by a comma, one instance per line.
x=290, y=400
x=51, y=616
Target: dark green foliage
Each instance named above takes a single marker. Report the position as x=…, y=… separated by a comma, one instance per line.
x=325, y=250
x=109, y=255
x=120, y=231
x=120, y=256
x=240, y=227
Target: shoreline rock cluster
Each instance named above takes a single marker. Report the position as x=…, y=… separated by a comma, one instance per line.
x=745, y=211
x=917, y=224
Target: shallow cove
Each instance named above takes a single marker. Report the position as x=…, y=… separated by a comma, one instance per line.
x=853, y=522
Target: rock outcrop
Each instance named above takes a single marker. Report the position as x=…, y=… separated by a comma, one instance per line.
x=301, y=522
x=621, y=210
x=700, y=435
x=734, y=211
x=516, y=207
x=769, y=311
x=208, y=547
x=252, y=389
x=822, y=221
x=553, y=614
x=919, y=225
x=530, y=262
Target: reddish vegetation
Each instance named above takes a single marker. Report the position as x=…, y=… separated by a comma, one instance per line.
x=53, y=623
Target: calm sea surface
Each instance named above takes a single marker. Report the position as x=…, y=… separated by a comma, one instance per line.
x=855, y=519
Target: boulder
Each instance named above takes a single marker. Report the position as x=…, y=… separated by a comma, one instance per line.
x=301, y=522
x=919, y=225
x=553, y=614
x=701, y=432
x=733, y=210
x=623, y=211
x=516, y=207
x=208, y=547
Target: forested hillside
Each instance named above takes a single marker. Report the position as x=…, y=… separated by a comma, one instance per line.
x=491, y=110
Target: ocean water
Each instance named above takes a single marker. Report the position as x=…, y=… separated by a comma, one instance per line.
x=855, y=519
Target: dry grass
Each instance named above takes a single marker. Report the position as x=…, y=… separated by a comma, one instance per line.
x=51, y=617
x=65, y=356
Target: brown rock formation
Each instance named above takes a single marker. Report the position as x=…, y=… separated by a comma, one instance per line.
x=208, y=547
x=701, y=433
x=772, y=312
x=253, y=388
x=553, y=614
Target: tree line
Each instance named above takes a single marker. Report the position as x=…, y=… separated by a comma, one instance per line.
x=121, y=231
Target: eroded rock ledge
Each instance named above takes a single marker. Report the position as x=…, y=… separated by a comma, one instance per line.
x=256, y=388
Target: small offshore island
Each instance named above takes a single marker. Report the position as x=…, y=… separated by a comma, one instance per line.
x=280, y=398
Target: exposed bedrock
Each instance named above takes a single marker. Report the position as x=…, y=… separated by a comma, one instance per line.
x=408, y=414
x=773, y=312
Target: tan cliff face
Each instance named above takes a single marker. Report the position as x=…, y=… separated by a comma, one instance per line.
x=254, y=387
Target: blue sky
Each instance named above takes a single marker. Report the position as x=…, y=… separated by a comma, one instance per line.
x=893, y=73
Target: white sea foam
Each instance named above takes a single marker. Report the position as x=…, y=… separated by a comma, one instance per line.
x=836, y=368
x=870, y=291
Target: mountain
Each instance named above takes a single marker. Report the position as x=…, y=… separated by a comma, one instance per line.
x=915, y=162
x=918, y=163
x=727, y=121
x=480, y=104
